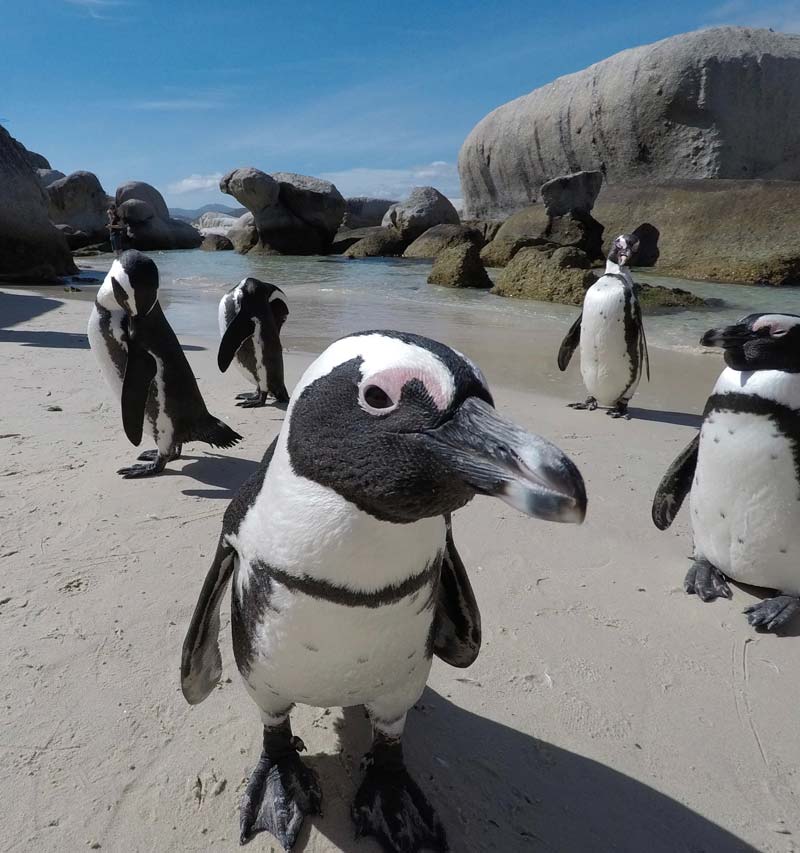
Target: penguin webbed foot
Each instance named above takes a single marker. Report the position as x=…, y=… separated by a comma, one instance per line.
x=772, y=613
x=589, y=405
x=132, y=472
x=281, y=791
x=619, y=411
x=390, y=806
x=152, y=455
x=706, y=582
x=252, y=401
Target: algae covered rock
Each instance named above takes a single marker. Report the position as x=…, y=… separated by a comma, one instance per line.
x=460, y=266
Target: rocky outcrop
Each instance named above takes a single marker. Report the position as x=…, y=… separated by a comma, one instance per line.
x=534, y=274
x=80, y=204
x=573, y=229
x=244, y=234
x=653, y=296
x=381, y=243
x=293, y=214
x=488, y=228
x=566, y=193
x=731, y=231
x=460, y=265
x=34, y=160
x=441, y=237
x=216, y=243
x=502, y=249
x=216, y=223
x=363, y=211
x=49, y=176
x=717, y=103
x=150, y=227
x=31, y=248
x=347, y=237
x=424, y=208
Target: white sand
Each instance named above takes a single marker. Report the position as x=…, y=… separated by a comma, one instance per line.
x=607, y=711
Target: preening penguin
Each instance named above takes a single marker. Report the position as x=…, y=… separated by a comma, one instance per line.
x=743, y=471
x=611, y=335
x=250, y=319
x=146, y=368
x=346, y=578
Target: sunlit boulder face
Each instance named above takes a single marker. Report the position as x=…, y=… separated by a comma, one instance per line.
x=78, y=204
x=31, y=248
x=293, y=214
x=717, y=103
x=150, y=227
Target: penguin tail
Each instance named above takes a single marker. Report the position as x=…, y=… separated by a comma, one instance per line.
x=213, y=431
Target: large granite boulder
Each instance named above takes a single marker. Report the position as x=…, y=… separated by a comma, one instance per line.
x=573, y=229
x=459, y=265
x=732, y=231
x=381, y=243
x=347, y=237
x=441, y=237
x=213, y=222
x=150, y=227
x=293, y=214
x=80, y=202
x=244, y=234
x=216, y=243
x=34, y=160
x=535, y=274
x=424, y=208
x=502, y=249
x=31, y=247
x=488, y=228
x=717, y=103
x=363, y=211
x=567, y=193
x=49, y=176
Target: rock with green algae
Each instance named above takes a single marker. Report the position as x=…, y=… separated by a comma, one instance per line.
x=460, y=266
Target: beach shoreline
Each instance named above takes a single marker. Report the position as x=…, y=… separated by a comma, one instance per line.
x=607, y=710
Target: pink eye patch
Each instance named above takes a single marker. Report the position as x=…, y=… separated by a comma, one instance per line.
x=393, y=379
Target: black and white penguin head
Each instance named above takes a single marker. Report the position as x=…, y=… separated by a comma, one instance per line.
x=759, y=342
x=623, y=249
x=133, y=279
x=405, y=428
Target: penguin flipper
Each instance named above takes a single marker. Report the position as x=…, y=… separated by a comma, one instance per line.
x=570, y=343
x=457, y=635
x=140, y=370
x=644, y=355
x=201, y=661
x=675, y=485
x=239, y=330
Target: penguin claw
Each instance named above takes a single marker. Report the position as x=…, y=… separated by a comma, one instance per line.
x=706, y=582
x=390, y=806
x=245, y=395
x=148, y=456
x=772, y=613
x=589, y=405
x=133, y=472
x=278, y=796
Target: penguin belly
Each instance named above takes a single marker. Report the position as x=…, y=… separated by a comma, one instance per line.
x=106, y=335
x=301, y=648
x=745, y=501
x=606, y=366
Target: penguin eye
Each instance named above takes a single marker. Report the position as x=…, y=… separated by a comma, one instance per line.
x=376, y=398
x=778, y=333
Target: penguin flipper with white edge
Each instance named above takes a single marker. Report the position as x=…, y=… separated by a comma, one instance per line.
x=345, y=579
x=675, y=485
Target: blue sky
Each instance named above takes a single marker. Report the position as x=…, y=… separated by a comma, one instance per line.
x=377, y=97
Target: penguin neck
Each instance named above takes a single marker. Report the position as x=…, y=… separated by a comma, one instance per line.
x=616, y=269
x=304, y=528
x=105, y=297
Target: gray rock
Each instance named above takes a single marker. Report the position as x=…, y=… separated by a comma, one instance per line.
x=570, y=257
x=533, y=274
x=34, y=160
x=501, y=250
x=460, y=265
x=150, y=227
x=48, y=176
x=424, y=208
x=441, y=237
x=347, y=237
x=574, y=229
x=382, y=243
x=213, y=222
x=488, y=228
x=79, y=201
x=674, y=109
x=31, y=248
x=364, y=212
x=216, y=243
x=314, y=201
x=251, y=187
x=244, y=234
x=566, y=193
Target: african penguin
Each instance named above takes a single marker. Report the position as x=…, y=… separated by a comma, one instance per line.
x=743, y=471
x=146, y=368
x=611, y=335
x=345, y=576
x=250, y=319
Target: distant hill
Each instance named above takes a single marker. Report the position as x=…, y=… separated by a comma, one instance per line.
x=191, y=215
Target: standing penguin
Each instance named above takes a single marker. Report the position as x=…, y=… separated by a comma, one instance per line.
x=611, y=336
x=346, y=578
x=250, y=319
x=146, y=368
x=743, y=471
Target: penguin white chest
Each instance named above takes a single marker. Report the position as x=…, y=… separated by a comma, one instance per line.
x=605, y=361
x=745, y=501
x=107, y=342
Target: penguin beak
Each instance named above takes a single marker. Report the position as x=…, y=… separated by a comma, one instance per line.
x=496, y=457
x=729, y=337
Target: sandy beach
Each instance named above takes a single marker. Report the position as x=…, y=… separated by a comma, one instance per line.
x=608, y=710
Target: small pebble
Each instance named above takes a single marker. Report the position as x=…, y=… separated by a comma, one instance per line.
x=54, y=408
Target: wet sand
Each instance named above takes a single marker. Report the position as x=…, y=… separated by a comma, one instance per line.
x=607, y=710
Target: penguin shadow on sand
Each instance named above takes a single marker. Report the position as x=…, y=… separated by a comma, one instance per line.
x=225, y=473
x=498, y=789
x=665, y=417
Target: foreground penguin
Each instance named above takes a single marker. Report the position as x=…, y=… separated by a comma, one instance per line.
x=743, y=470
x=611, y=335
x=146, y=368
x=346, y=579
x=250, y=319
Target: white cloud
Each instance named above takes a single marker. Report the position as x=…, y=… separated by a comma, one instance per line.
x=195, y=183
x=783, y=15
x=396, y=183
x=177, y=104
x=101, y=10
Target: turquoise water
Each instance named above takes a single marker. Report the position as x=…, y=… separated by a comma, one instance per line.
x=332, y=296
